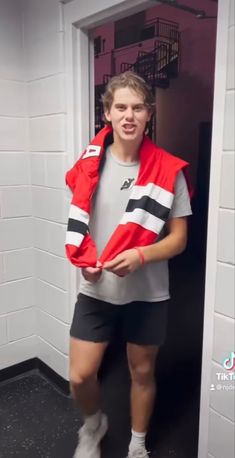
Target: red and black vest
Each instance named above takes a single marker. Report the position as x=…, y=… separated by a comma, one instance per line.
x=147, y=209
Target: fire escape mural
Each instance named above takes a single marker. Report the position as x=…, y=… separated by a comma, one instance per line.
x=156, y=65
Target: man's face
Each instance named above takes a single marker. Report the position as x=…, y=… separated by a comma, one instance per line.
x=128, y=114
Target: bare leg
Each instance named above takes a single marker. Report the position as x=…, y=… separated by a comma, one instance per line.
x=141, y=361
x=85, y=360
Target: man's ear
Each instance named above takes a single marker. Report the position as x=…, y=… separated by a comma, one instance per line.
x=107, y=116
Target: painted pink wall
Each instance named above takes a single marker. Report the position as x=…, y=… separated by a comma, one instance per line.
x=189, y=99
x=197, y=36
x=103, y=63
x=127, y=54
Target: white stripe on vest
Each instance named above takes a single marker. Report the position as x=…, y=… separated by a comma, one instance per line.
x=74, y=238
x=78, y=214
x=144, y=219
x=154, y=191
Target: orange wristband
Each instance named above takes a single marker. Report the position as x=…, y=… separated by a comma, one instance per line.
x=141, y=256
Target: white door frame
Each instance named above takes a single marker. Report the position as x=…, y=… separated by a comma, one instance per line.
x=80, y=16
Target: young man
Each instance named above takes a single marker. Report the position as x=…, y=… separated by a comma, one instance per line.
x=128, y=216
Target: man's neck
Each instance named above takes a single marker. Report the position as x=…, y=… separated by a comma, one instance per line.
x=126, y=151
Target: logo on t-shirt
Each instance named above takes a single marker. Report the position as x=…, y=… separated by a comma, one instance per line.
x=128, y=183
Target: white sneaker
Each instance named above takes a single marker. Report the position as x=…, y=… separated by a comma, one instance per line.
x=88, y=444
x=138, y=453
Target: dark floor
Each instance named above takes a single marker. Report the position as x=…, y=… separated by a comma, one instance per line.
x=39, y=421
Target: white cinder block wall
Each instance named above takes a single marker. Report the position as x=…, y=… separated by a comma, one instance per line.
x=222, y=402
x=34, y=273
x=44, y=45
x=17, y=312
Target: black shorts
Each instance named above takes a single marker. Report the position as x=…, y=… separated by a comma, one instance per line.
x=142, y=323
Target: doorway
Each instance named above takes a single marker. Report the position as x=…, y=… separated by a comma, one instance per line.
x=154, y=43
x=186, y=370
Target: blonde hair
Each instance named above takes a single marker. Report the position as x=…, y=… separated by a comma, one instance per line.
x=133, y=81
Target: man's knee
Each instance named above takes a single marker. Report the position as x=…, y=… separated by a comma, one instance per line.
x=142, y=374
x=81, y=377
x=85, y=360
x=80, y=380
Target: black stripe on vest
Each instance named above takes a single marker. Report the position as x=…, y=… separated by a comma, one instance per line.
x=149, y=205
x=77, y=226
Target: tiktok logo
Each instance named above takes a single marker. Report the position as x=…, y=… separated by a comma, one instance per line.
x=229, y=363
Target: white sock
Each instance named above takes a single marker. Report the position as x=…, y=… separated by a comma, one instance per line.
x=93, y=421
x=137, y=440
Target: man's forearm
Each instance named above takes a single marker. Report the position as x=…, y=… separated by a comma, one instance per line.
x=167, y=248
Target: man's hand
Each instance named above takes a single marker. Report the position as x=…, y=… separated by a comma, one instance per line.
x=124, y=263
x=92, y=274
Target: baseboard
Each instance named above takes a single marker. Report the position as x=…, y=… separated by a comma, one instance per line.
x=9, y=373
x=55, y=378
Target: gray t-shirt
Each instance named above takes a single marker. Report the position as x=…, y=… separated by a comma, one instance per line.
x=151, y=281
